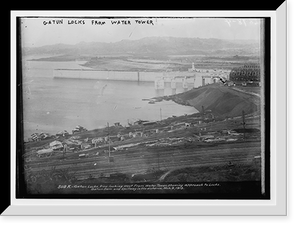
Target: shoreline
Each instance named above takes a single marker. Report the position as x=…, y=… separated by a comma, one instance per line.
x=173, y=98
x=123, y=123
x=177, y=98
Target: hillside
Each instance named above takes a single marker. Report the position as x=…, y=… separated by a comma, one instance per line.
x=152, y=45
x=222, y=101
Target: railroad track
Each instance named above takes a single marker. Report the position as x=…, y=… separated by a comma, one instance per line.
x=141, y=153
x=140, y=160
x=175, y=163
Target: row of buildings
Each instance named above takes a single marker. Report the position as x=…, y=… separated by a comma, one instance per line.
x=43, y=136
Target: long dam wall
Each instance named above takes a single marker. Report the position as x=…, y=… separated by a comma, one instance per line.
x=116, y=75
x=165, y=83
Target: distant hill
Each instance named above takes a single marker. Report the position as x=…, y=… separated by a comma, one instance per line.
x=152, y=45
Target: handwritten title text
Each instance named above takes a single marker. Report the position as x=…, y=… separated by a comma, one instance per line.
x=98, y=22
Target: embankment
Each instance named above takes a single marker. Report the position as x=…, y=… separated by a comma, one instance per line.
x=221, y=100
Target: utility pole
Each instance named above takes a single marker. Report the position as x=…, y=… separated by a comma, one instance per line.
x=160, y=115
x=108, y=140
x=158, y=166
x=110, y=159
x=65, y=150
x=244, y=123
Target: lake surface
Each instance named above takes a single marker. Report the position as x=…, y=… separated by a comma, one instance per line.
x=52, y=105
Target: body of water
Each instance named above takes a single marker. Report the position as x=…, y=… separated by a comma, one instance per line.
x=52, y=105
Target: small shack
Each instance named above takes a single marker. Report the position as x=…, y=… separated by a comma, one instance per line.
x=44, y=152
x=117, y=124
x=56, y=145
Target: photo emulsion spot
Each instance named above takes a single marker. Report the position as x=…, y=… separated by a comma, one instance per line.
x=148, y=108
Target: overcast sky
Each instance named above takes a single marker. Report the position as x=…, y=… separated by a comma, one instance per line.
x=44, y=31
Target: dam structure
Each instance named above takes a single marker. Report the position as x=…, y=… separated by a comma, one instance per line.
x=133, y=76
x=165, y=83
x=136, y=76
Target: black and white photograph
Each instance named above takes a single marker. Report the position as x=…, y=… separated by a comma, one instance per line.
x=143, y=107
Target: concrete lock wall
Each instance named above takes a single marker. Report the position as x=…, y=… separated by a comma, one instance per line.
x=106, y=75
x=116, y=75
x=130, y=75
x=206, y=77
x=198, y=81
x=161, y=80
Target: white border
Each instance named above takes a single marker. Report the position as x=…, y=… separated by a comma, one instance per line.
x=108, y=13
x=275, y=206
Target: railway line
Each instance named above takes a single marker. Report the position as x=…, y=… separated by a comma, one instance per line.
x=140, y=159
